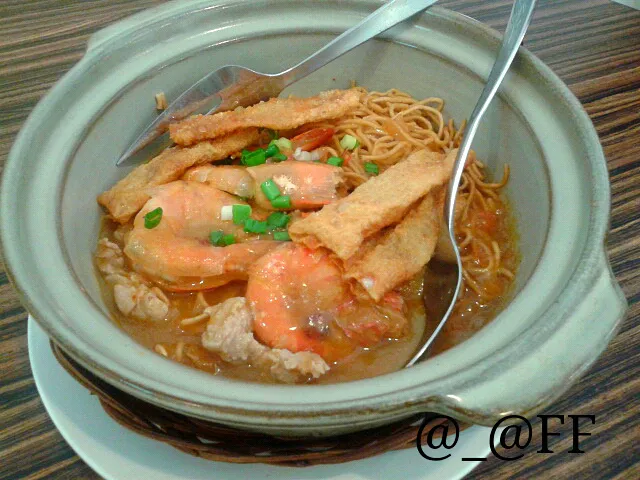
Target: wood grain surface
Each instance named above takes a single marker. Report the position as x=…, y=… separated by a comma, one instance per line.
x=593, y=45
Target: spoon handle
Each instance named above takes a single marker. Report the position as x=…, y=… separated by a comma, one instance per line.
x=518, y=22
x=382, y=19
x=521, y=13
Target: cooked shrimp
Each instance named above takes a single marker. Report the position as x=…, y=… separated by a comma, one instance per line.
x=177, y=254
x=301, y=302
x=310, y=185
x=228, y=178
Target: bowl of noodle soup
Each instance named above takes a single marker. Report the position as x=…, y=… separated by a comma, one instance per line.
x=535, y=276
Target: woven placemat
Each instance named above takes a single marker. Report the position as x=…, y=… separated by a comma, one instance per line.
x=218, y=442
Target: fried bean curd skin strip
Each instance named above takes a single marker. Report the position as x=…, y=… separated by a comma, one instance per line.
x=400, y=252
x=129, y=195
x=342, y=226
x=276, y=113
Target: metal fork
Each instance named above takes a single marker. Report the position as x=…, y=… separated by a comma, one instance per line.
x=232, y=86
x=521, y=13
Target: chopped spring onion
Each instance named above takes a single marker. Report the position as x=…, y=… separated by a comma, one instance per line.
x=240, y=213
x=278, y=220
x=283, y=201
x=371, y=168
x=251, y=159
x=282, y=144
x=270, y=189
x=152, y=219
x=271, y=150
x=219, y=239
x=349, y=142
x=254, y=226
x=279, y=157
x=301, y=155
x=281, y=236
x=226, y=212
x=335, y=161
x=228, y=239
x=215, y=237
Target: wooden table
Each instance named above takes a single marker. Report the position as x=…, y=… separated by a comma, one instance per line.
x=593, y=45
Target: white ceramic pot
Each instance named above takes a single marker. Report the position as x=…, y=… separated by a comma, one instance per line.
x=568, y=305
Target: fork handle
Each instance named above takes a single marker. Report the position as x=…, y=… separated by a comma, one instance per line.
x=380, y=20
x=521, y=13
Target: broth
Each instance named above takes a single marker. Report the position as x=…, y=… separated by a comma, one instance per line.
x=347, y=301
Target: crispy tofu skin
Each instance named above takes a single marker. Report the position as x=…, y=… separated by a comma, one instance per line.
x=128, y=196
x=276, y=113
x=342, y=226
x=400, y=252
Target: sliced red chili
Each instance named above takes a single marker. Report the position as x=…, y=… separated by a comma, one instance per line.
x=312, y=139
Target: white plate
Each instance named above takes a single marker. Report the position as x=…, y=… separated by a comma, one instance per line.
x=116, y=453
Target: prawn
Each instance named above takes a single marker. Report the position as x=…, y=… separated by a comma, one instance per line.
x=176, y=254
x=301, y=302
x=228, y=178
x=309, y=185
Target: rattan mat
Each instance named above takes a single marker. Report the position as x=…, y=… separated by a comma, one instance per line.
x=218, y=442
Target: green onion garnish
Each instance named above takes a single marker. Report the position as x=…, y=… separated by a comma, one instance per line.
x=270, y=189
x=271, y=150
x=251, y=159
x=349, y=142
x=371, y=168
x=152, y=219
x=215, y=237
x=255, y=226
x=282, y=144
x=281, y=236
x=219, y=239
x=228, y=239
x=283, y=201
x=278, y=220
x=335, y=161
x=279, y=157
x=241, y=213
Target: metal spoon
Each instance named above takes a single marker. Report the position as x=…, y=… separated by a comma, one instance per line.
x=231, y=86
x=518, y=22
